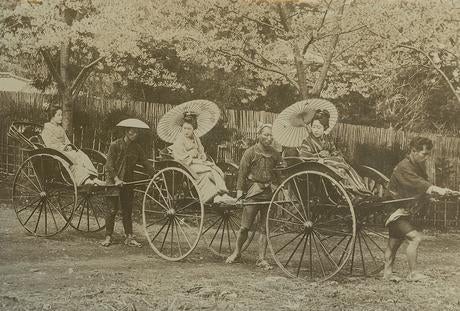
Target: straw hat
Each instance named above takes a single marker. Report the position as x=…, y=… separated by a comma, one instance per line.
x=135, y=123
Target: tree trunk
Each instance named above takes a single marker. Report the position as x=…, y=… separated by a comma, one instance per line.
x=319, y=84
x=300, y=68
x=66, y=94
x=298, y=58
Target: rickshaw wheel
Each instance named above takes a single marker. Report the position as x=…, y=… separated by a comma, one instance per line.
x=221, y=228
x=89, y=213
x=172, y=213
x=310, y=226
x=44, y=194
x=368, y=249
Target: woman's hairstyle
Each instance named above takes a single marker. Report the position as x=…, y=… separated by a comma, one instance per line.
x=190, y=118
x=323, y=117
x=261, y=126
x=51, y=111
x=418, y=142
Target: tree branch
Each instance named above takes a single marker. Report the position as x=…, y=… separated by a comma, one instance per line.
x=342, y=32
x=374, y=33
x=307, y=45
x=53, y=70
x=315, y=34
x=436, y=67
x=248, y=61
x=316, y=90
x=82, y=76
x=298, y=57
x=347, y=48
x=252, y=19
x=324, y=16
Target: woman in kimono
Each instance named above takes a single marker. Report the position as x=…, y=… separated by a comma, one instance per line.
x=319, y=145
x=188, y=150
x=54, y=137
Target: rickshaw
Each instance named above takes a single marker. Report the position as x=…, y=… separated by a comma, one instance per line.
x=45, y=196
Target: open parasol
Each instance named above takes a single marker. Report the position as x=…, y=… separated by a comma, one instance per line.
x=290, y=127
x=170, y=125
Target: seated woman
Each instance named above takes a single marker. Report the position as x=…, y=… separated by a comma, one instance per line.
x=54, y=137
x=188, y=150
x=318, y=145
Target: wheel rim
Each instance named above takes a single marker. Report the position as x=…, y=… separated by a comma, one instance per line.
x=310, y=229
x=220, y=230
x=44, y=195
x=172, y=213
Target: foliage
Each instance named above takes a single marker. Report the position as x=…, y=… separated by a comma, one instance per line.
x=386, y=63
x=415, y=47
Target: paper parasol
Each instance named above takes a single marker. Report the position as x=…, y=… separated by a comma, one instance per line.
x=206, y=112
x=289, y=128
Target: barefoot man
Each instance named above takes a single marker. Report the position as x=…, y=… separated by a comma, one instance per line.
x=255, y=178
x=409, y=179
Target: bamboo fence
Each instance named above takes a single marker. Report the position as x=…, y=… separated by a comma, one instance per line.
x=377, y=147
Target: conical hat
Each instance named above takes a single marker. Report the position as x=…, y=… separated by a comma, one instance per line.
x=136, y=123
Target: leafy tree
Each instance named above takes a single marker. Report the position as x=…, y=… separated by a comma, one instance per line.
x=273, y=43
x=54, y=33
x=414, y=46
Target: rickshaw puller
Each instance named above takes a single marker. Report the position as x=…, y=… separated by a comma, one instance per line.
x=256, y=177
x=122, y=157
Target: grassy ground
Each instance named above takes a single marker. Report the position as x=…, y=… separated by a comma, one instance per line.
x=72, y=272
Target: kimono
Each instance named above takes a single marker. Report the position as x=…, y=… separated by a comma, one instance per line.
x=408, y=179
x=312, y=147
x=82, y=168
x=209, y=176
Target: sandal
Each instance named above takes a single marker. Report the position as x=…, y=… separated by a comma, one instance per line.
x=263, y=264
x=132, y=242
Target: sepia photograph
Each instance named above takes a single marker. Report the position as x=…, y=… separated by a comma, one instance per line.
x=229, y=155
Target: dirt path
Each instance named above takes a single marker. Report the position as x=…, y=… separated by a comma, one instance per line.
x=72, y=272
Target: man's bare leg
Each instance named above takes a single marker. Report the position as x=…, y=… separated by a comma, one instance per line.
x=261, y=261
x=262, y=245
x=414, y=238
x=241, y=238
x=390, y=256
